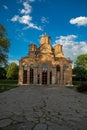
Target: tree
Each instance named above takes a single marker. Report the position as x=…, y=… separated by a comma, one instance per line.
x=80, y=68
x=4, y=45
x=12, y=71
x=82, y=61
x=2, y=73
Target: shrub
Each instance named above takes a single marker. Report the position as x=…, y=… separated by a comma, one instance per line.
x=82, y=87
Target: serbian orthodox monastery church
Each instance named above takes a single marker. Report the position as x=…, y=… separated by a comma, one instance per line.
x=45, y=65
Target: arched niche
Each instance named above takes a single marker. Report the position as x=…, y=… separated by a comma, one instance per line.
x=58, y=68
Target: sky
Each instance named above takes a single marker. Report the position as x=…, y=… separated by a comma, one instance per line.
x=65, y=21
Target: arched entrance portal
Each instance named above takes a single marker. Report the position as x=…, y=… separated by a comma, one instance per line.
x=25, y=74
x=38, y=74
x=44, y=74
x=58, y=74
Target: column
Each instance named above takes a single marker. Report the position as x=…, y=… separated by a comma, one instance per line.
x=41, y=74
x=28, y=74
x=62, y=75
x=70, y=74
x=35, y=75
x=65, y=77
x=20, y=74
x=48, y=75
x=53, y=75
x=58, y=77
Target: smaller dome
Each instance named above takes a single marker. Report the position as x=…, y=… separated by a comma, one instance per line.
x=33, y=47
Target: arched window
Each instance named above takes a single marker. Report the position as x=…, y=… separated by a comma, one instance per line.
x=44, y=74
x=64, y=67
x=25, y=67
x=44, y=67
x=57, y=68
x=31, y=66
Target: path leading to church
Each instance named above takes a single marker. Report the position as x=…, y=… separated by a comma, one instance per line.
x=42, y=108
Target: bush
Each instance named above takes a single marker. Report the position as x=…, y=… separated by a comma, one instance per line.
x=82, y=88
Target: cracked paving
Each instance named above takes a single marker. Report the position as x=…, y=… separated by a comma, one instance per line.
x=43, y=108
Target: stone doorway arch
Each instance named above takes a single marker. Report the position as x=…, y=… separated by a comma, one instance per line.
x=25, y=74
x=44, y=74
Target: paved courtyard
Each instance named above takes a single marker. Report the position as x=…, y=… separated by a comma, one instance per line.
x=43, y=108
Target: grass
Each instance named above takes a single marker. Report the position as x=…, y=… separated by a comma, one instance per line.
x=6, y=81
x=7, y=85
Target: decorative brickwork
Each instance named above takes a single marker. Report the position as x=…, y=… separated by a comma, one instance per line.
x=45, y=65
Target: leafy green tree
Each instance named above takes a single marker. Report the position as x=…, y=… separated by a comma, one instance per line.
x=2, y=73
x=12, y=71
x=81, y=61
x=4, y=45
x=80, y=68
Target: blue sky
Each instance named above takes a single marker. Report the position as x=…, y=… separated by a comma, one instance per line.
x=65, y=21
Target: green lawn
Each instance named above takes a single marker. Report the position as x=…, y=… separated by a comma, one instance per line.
x=7, y=84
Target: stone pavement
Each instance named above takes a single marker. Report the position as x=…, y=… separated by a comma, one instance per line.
x=43, y=108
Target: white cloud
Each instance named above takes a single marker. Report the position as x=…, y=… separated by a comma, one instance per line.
x=20, y=1
x=80, y=21
x=31, y=25
x=24, y=16
x=15, y=18
x=5, y=7
x=44, y=20
x=67, y=38
x=71, y=47
x=26, y=19
x=27, y=8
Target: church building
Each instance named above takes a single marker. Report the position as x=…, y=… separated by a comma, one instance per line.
x=45, y=65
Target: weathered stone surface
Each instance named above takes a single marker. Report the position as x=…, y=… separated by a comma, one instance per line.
x=23, y=108
x=21, y=126
x=18, y=118
x=5, y=122
x=41, y=127
x=56, y=127
x=57, y=69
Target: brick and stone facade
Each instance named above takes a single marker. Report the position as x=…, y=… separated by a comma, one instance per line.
x=45, y=65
